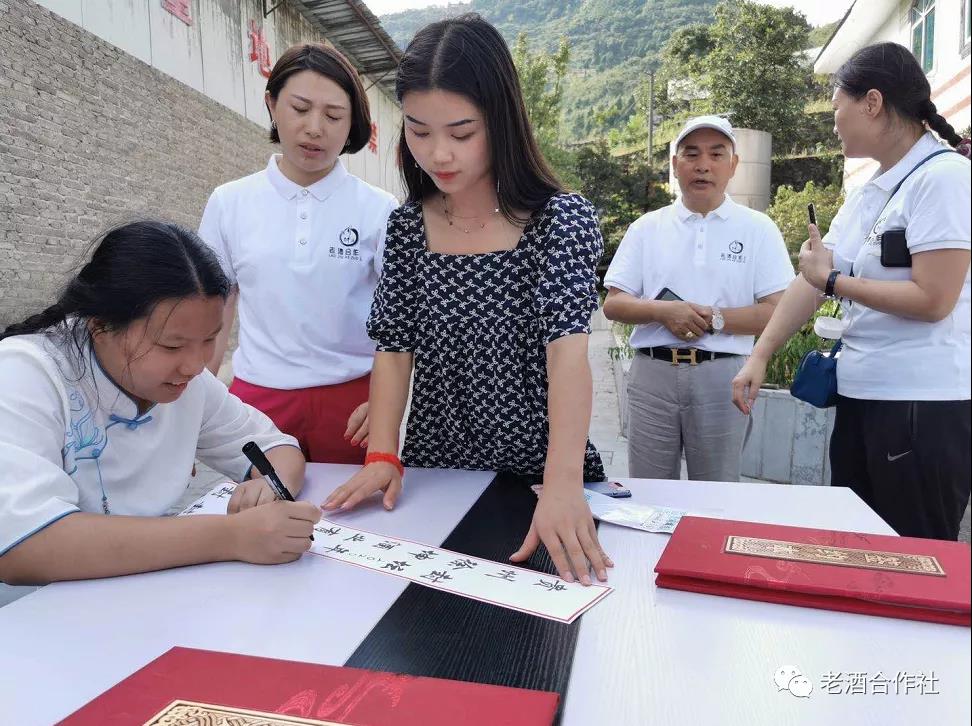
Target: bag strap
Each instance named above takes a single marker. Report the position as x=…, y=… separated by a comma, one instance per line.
x=915, y=168
x=839, y=343
x=904, y=178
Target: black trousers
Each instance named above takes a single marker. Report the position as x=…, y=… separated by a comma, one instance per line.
x=910, y=461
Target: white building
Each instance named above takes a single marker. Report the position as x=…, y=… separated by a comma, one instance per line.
x=225, y=50
x=937, y=31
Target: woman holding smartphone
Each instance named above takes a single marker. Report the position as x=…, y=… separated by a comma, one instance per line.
x=898, y=258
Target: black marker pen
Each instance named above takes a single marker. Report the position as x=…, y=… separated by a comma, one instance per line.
x=263, y=465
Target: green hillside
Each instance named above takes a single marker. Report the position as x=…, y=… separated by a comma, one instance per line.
x=613, y=43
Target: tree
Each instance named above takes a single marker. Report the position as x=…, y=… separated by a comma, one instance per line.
x=747, y=64
x=616, y=187
x=755, y=70
x=542, y=81
x=688, y=48
x=789, y=211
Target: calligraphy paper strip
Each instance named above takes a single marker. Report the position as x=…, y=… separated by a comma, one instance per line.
x=517, y=588
x=546, y=596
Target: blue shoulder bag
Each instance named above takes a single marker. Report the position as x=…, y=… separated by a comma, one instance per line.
x=815, y=381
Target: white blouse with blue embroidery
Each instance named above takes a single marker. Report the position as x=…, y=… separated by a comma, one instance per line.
x=71, y=440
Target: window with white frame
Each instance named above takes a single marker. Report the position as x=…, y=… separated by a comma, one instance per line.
x=966, y=27
x=923, y=33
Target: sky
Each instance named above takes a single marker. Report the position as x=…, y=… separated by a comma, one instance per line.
x=818, y=12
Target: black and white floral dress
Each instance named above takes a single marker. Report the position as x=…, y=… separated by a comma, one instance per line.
x=478, y=326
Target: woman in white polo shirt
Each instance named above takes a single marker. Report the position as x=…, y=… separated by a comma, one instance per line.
x=105, y=405
x=301, y=242
x=901, y=438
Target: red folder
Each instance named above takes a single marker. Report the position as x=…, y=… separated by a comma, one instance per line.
x=899, y=577
x=296, y=691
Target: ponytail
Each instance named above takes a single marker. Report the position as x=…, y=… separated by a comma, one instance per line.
x=49, y=318
x=937, y=123
x=893, y=70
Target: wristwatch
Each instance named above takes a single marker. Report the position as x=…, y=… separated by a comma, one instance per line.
x=831, y=283
x=718, y=322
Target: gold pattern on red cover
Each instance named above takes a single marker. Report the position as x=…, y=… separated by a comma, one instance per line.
x=828, y=555
x=189, y=713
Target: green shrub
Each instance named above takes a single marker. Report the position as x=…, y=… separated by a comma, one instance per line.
x=622, y=333
x=789, y=211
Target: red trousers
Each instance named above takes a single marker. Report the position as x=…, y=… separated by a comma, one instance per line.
x=317, y=417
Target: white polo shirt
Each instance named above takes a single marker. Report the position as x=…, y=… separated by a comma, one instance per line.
x=730, y=258
x=887, y=357
x=306, y=261
x=69, y=438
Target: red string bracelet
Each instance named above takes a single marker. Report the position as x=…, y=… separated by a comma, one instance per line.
x=377, y=456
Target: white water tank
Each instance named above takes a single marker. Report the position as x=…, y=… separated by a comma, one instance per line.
x=751, y=184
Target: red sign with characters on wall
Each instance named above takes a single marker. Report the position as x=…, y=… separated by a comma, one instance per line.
x=182, y=9
x=373, y=141
x=259, y=49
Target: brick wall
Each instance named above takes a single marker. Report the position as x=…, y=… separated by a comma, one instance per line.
x=91, y=136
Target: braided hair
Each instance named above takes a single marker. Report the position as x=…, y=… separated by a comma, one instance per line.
x=894, y=71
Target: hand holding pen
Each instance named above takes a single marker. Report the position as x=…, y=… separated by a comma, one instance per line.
x=263, y=465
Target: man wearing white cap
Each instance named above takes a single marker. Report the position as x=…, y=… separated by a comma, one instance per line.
x=698, y=278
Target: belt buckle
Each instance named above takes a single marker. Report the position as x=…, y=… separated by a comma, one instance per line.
x=682, y=357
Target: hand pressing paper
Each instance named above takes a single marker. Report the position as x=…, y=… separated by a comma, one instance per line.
x=499, y=583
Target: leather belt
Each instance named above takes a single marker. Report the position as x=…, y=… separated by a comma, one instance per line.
x=692, y=356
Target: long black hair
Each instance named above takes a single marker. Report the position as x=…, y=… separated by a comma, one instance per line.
x=893, y=70
x=133, y=267
x=468, y=56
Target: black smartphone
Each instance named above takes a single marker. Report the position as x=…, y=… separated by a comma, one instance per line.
x=667, y=294
x=611, y=488
x=811, y=213
x=894, y=249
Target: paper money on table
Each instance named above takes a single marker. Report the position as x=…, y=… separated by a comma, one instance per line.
x=647, y=518
x=637, y=516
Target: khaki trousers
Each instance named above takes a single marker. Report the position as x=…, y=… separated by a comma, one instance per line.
x=685, y=407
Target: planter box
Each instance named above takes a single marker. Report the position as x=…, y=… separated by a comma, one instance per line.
x=789, y=440
x=621, y=368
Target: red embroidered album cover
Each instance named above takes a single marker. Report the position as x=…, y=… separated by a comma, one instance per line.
x=187, y=686
x=900, y=577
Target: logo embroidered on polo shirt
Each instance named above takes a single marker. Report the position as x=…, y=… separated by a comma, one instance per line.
x=735, y=252
x=348, y=249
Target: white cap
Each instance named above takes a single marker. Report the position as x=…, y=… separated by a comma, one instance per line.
x=706, y=122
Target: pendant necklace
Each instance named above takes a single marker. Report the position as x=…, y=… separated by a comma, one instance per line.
x=450, y=217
